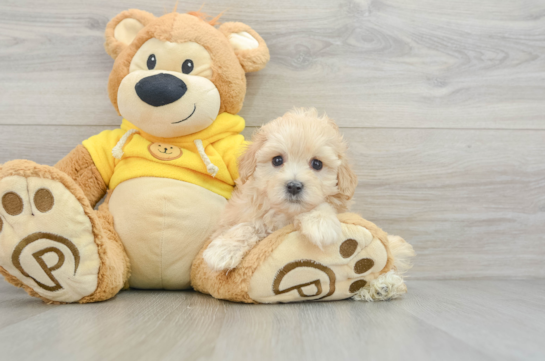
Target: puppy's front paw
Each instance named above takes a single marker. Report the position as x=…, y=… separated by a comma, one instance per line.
x=320, y=229
x=221, y=255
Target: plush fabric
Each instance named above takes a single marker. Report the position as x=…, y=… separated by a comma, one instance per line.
x=112, y=271
x=254, y=58
x=228, y=71
x=190, y=180
x=222, y=143
x=79, y=166
x=59, y=238
x=114, y=46
x=285, y=267
x=160, y=232
x=188, y=169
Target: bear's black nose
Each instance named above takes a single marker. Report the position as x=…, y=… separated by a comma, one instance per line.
x=160, y=89
x=294, y=187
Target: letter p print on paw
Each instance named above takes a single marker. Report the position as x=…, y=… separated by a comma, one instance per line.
x=46, y=239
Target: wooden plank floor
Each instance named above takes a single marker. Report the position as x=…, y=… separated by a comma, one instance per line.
x=437, y=320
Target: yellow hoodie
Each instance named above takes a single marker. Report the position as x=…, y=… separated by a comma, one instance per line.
x=143, y=155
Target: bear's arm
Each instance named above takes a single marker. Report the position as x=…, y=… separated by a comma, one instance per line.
x=79, y=165
x=92, y=164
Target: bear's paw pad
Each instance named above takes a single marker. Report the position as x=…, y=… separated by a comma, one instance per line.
x=299, y=271
x=46, y=239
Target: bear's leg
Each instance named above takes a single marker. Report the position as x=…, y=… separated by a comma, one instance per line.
x=363, y=264
x=52, y=243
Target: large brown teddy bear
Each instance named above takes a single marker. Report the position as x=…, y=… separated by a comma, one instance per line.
x=178, y=82
x=169, y=169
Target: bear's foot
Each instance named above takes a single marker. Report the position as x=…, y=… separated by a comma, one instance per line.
x=286, y=267
x=47, y=238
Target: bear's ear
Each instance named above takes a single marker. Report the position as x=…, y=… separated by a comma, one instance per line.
x=122, y=30
x=250, y=48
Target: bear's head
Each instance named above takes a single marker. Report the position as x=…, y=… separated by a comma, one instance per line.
x=174, y=74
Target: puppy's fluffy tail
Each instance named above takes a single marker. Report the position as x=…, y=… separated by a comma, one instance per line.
x=390, y=285
x=402, y=253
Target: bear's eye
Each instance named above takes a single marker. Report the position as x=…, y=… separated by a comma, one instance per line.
x=278, y=161
x=316, y=164
x=187, y=66
x=151, y=61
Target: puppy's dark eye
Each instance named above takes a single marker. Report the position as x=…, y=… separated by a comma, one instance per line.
x=316, y=164
x=151, y=61
x=187, y=66
x=278, y=161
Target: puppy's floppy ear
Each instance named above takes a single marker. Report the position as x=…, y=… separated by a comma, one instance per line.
x=249, y=47
x=247, y=162
x=347, y=181
x=122, y=30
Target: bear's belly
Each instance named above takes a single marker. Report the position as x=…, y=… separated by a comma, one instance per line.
x=163, y=224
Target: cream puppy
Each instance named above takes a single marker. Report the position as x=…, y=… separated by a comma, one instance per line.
x=295, y=171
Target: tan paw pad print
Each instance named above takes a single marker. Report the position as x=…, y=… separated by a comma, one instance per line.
x=46, y=239
x=299, y=271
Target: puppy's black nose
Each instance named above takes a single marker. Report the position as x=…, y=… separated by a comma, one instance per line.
x=294, y=187
x=160, y=89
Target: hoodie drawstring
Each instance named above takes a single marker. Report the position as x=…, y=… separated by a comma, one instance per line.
x=117, y=151
x=210, y=167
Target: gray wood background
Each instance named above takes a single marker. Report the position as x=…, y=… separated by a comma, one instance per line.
x=442, y=102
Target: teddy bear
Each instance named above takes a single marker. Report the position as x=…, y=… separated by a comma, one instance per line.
x=166, y=174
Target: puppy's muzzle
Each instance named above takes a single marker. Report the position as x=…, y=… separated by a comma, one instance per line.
x=160, y=89
x=294, y=187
